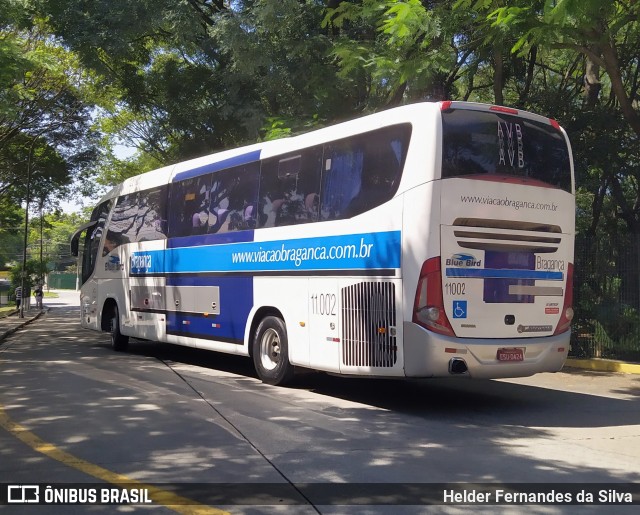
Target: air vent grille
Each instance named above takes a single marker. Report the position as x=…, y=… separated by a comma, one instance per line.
x=368, y=325
x=507, y=235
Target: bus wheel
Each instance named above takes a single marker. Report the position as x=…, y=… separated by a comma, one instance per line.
x=271, y=352
x=119, y=342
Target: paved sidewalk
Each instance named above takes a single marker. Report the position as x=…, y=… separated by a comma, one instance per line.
x=11, y=323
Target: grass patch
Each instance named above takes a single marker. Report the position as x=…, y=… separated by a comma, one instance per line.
x=4, y=311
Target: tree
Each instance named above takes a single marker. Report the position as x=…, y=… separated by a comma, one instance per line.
x=44, y=120
x=34, y=271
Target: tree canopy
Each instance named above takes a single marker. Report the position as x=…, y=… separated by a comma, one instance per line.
x=180, y=79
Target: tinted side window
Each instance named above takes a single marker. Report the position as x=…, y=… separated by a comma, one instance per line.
x=151, y=221
x=138, y=216
x=290, y=188
x=190, y=206
x=363, y=171
x=92, y=239
x=233, y=199
x=218, y=202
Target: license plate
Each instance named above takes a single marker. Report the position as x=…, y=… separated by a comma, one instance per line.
x=510, y=355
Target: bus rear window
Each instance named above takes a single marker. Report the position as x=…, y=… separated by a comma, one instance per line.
x=482, y=143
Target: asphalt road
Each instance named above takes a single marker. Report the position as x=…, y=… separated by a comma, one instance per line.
x=74, y=411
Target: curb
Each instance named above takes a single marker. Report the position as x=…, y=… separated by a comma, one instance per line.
x=604, y=365
x=8, y=332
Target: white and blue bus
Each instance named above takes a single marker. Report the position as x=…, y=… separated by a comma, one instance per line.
x=428, y=240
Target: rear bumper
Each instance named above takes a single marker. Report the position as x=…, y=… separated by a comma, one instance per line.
x=425, y=354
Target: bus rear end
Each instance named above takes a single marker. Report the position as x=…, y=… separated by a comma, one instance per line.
x=497, y=301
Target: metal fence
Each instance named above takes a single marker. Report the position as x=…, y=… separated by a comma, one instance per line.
x=62, y=281
x=607, y=298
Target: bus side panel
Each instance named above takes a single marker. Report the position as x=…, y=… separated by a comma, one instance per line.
x=288, y=295
x=147, y=307
x=324, y=323
x=420, y=237
x=209, y=308
x=140, y=300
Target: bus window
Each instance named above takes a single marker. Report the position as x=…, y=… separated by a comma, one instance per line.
x=233, y=199
x=363, y=172
x=151, y=220
x=92, y=239
x=341, y=178
x=491, y=143
x=190, y=206
x=137, y=217
x=289, y=188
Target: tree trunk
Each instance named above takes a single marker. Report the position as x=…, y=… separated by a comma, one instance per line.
x=617, y=85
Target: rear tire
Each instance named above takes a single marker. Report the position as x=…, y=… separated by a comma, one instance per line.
x=119, y=342
x=271, y=352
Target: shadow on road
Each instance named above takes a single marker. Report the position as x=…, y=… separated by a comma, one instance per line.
x=170, y=413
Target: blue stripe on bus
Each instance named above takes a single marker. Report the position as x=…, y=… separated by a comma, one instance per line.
x=345, y=252
x=493, y=273
x=211, y=239
x=249, y=157
x=236, y=301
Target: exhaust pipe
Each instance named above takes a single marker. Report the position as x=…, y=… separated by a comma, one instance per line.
x=457, y=366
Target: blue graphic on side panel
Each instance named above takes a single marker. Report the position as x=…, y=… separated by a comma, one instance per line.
x=345, y=252
x=504, y=274
x=236, y=301
x=459, y=309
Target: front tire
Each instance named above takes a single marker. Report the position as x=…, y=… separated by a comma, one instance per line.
x=119, y=342
x=271, y=352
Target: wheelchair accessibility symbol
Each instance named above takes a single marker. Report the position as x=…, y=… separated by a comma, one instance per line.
x=459, y=309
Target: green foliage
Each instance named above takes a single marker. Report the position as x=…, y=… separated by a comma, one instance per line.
x=34, y=271
x=397, y=51
x=46, y=141
x=57, y=229
x=276, y=128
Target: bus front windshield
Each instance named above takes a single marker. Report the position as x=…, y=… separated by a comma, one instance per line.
x=495, y=143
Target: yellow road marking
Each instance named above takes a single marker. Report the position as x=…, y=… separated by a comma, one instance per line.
x=168, y=499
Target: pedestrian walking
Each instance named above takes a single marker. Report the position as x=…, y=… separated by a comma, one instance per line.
x=38, y=294
x=18, y=294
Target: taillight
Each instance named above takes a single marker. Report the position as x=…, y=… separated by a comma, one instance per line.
x=566, y=316
x=428, y=308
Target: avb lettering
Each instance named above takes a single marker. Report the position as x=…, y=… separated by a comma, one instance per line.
x=510, y=132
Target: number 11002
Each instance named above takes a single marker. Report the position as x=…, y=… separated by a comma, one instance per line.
x=455, y=288
x=323, y=304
